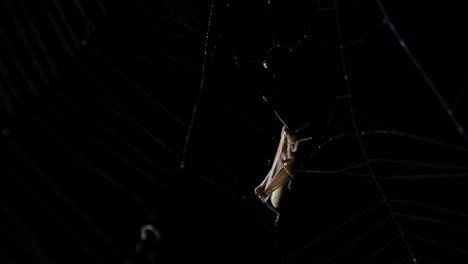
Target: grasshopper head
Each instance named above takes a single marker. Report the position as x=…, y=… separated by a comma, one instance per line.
x=290, y=135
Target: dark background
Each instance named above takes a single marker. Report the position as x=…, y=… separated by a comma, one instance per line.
x=97, y=100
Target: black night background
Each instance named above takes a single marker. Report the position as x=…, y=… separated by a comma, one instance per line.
x=103, y=101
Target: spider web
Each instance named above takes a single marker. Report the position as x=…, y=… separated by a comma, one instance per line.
x=161, y=115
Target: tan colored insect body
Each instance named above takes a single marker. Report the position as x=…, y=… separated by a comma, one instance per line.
x=273, y=185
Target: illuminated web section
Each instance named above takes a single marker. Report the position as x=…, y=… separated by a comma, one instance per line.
x=356, y=127
x=378, y=170
x=160, y=117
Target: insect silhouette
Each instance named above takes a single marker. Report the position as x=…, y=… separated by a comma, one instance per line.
x=272, y=187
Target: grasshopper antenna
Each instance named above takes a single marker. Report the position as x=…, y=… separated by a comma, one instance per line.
x=302, y=128
x=274, y=111
x=281, y=120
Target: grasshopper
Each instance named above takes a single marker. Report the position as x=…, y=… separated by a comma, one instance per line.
x=272, y=187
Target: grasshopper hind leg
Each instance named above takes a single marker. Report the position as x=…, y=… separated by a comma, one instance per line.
x=274, y=211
